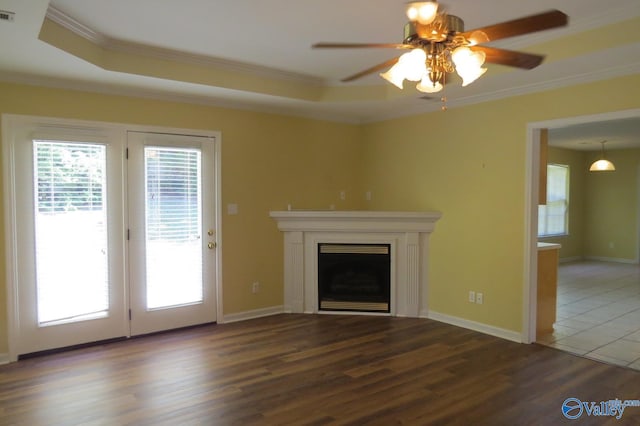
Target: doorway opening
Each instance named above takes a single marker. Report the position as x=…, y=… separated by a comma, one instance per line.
x=568, y=306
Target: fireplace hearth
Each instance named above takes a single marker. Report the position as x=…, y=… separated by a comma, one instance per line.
x=354, y=277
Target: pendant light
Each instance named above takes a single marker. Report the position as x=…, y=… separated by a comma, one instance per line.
x=602, y=165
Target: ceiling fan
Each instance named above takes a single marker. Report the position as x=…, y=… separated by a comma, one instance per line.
x=438, y=45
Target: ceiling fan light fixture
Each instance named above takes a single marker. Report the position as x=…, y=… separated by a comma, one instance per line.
x=413, y=64
x=394, y=75
x=428, y=86
x=464, y=57
x=445, y=42
x=468, y=64
x=470, y=75
x=424, y=12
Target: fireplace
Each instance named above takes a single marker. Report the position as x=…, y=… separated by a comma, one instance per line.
x=406, y=234
x=354, y=277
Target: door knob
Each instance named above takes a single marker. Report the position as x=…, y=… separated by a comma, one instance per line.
x=211, y=246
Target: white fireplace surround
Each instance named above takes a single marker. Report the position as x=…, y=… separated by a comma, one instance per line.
x=406, y=232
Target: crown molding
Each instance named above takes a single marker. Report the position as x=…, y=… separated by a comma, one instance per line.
x=66, y=21
x=294, y=110
x=525, y=89
x=105, y=42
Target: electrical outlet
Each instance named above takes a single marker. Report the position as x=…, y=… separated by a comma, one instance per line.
x=472, y=296
x=479, y=298
x=367, y=195
x=255, y=287
x=343, y=195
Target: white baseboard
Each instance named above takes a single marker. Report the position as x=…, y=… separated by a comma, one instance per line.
x=256, y=313
x=477, y=326
x=611, y=259
x=4, y=359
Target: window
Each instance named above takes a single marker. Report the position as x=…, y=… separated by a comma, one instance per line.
x=553, y=218
x=173, y=223
x=72, y=276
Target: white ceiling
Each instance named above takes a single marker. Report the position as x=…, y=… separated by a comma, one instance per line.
x=275, y=36
x=621, y=133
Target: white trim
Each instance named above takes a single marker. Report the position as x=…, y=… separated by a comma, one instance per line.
x=297, y=108
x=217, y=196
x=122, y=46
x=75, y=26
x=491, y=330
x=256, y=313
x=10, y=248
x=517, y=90
x=611, y=259
x=584, y=119
x=4, y=359
x=530, y=267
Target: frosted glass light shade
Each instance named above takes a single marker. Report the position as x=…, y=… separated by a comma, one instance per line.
x=413, y=64
x=424, y=12
x=602, y=166
x=395, y=75
x=468, y=64
x=428, y=86
x=470, y=75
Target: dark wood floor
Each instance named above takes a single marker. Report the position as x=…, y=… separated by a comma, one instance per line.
x=311, y=369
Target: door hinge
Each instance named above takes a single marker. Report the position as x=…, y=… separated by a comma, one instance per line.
x=128, y=235
x=129, y=314
x=126, y=154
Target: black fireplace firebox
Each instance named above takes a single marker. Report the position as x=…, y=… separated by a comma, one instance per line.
x=354, y=277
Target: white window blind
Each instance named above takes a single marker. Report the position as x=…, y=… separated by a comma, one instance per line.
x=173, y=207
x=553, y=218
x=71, y=242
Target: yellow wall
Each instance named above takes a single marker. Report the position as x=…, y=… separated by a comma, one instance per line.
x=268, y=161
x=469, y=163
x=572, y=244
x=603, y=207
x=612, y=208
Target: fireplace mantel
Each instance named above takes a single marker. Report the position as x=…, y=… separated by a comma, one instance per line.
x=406, y=232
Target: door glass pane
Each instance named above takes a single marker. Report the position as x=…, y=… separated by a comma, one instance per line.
x=173, y=206
x=72, y=275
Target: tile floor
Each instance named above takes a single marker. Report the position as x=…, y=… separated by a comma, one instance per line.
x=598, y=312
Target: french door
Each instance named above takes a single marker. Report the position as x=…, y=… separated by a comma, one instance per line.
x=113, y=233
x=172, y=235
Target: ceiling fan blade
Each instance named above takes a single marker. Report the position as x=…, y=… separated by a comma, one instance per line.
x=386, y=64
x=510, y=57
x=526, y=25
x=360, y=45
